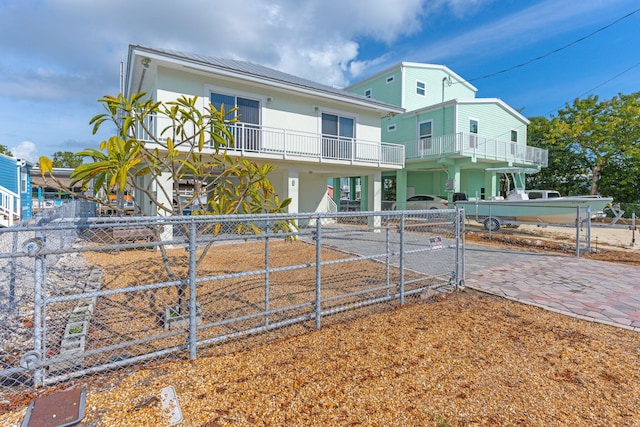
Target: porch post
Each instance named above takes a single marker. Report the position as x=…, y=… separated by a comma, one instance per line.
x=336, y=191
x=364, y=193
x=293, y=186
x=401, y=189
x=490, y=185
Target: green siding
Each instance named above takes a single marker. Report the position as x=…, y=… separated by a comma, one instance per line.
x=494, y=121
x=391, y=93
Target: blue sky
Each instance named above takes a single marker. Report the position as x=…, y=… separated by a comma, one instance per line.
x=60, y=56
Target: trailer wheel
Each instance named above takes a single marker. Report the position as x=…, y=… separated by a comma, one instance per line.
x=492, y=224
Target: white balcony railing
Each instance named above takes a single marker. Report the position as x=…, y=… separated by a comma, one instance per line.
x=9, y=209
x=471, y=145
x=295, y=145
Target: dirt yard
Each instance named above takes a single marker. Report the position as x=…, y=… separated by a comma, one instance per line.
x=466, y=359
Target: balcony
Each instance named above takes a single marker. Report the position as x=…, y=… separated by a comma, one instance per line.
x=287, y=144
x=472, y=146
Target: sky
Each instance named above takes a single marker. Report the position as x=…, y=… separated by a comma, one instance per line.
x=58, y=57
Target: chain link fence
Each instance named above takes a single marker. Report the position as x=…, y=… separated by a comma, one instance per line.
x=92, y=295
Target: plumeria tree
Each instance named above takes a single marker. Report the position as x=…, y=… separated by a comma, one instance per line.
x=176, y=140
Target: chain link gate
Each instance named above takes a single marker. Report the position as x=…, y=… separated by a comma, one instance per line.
x=94, y=295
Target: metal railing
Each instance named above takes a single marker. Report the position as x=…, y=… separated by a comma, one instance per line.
x=9, y=209
x=292, y=144
x=474, y=146
x=90, y=295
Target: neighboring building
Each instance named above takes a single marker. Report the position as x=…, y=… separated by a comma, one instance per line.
x=450, y=136
x=15, y=190
x=312, y=133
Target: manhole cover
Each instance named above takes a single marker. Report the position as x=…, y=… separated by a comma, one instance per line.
x=65, y=408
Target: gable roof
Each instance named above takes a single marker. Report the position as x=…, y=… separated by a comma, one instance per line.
x=252, y=72
x=404, y=64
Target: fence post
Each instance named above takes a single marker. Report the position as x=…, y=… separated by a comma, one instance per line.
x=34, y=358
x=459, y=276
x=588, y=229
x=193, y=304
x=402, y=231
x=266, y=273
x=578, y=231
x=318, y=237
x=387, y=256
x=12, y=273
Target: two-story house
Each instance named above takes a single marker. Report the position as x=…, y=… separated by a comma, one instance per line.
x=15, y=190
x=312, y=133
x=450, y=137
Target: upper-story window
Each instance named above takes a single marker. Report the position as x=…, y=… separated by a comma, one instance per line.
x=514, y=142
x=425, y=129
x=337, y=136
x=421, y=88
x=246, y=132
x=390, y=79
x=367, y=93
x=473, y=133
x=248, y=109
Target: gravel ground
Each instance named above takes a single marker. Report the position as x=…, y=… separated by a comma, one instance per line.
x=467, y=359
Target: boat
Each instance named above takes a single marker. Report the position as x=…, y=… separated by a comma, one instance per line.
x=517, y=207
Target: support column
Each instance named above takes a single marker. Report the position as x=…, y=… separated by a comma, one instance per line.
x=401, y=189
x=490, y=185
x=292, y=186
x=364, y=193
x=336, y=191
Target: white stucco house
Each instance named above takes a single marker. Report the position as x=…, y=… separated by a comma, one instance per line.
x=311, y=132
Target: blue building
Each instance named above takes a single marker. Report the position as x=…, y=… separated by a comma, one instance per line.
x=15, y=190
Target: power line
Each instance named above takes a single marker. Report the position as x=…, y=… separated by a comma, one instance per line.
x=506, y=70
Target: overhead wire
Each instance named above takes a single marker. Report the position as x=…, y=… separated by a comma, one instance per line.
x=593, y=33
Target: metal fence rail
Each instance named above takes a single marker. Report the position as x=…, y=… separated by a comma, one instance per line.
x=90, y=295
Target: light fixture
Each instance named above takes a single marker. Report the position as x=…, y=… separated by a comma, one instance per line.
x=145, y=62
x=269, y=100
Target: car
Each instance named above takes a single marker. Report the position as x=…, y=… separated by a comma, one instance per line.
x=426, y=201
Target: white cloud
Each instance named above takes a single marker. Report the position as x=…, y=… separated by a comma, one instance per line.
x=26, y=150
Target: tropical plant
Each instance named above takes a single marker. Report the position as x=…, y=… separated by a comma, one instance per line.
x=159, y=142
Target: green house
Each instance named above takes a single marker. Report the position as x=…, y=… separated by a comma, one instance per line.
x=450, y=137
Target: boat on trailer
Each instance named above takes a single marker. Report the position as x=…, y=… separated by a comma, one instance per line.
x=517, y=207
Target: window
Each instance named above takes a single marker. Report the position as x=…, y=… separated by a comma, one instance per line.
x=246, y=132
x=514, y=142
x=473, y=133
x=390, y=79
x=421, y=88
x=425, y=134
x=367, y=93
x=23, y=181
x=391, y=128
x=337, y=136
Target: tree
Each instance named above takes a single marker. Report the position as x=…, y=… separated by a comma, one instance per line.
x=66, y=159
x=191, y=144
x=5, y=150
x=566, y=170
x=599, y=132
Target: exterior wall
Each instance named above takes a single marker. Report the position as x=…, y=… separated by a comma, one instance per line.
x=432, y=77
x=494, y=122
x=8, y=174
x=279, y=109
x=390, y=92
x=406, y=125
x=427, y=183
x=26, y=196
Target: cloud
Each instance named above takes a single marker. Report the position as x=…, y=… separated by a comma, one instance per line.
x=26, y=150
